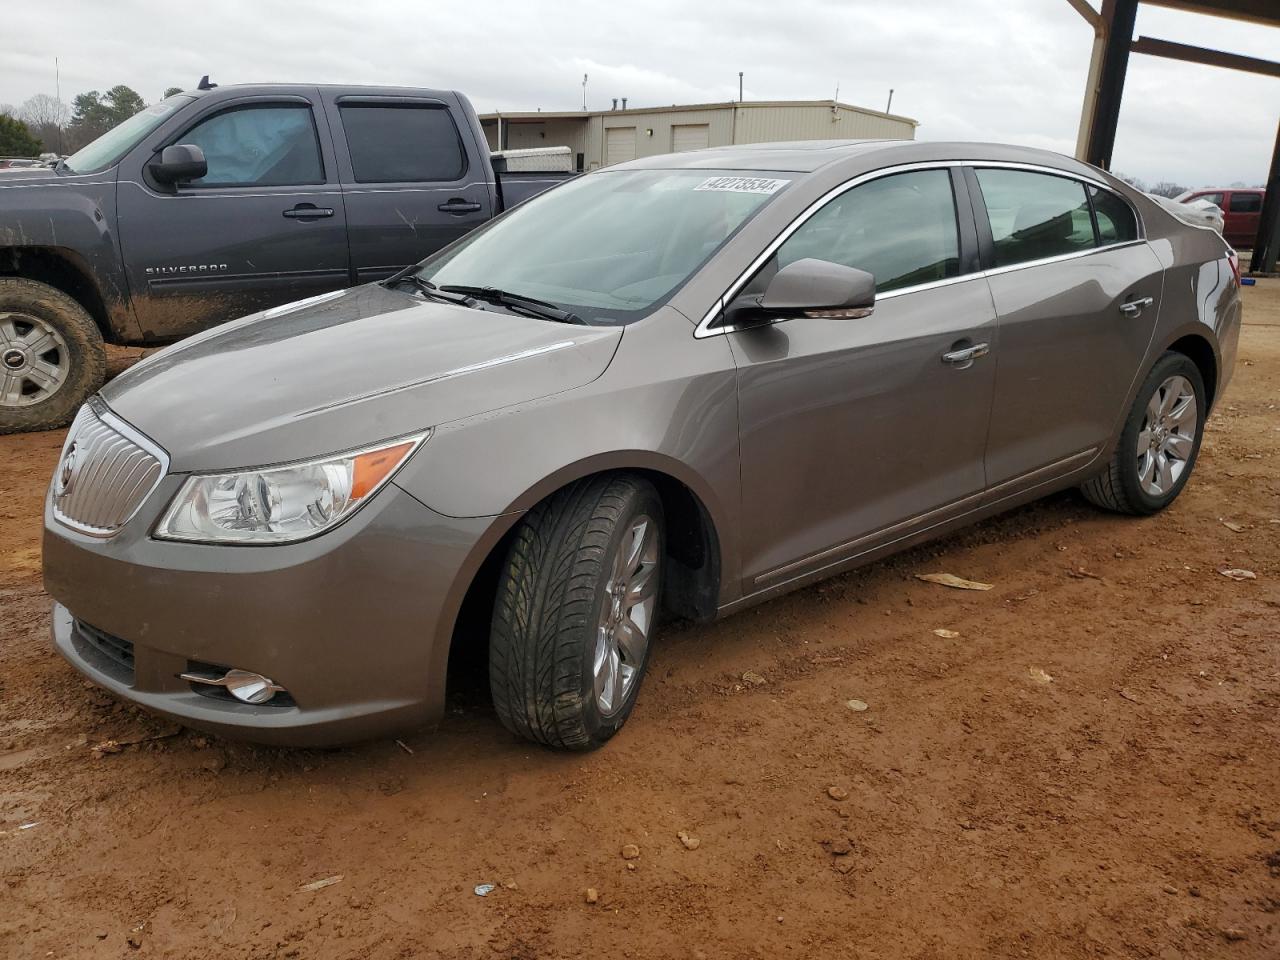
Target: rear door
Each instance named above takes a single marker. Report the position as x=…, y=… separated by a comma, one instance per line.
x=1244, y=210
x=264, y=226
x=1077, y=292
x=857, y=431
x=407, y=178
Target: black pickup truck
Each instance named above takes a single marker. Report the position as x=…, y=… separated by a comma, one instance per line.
x=220, y=202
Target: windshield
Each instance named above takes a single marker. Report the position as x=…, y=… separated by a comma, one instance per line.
x=119, y=140
x=608, y=246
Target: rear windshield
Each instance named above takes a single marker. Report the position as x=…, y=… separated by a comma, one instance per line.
x=612, y=245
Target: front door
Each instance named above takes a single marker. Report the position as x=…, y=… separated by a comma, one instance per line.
x=264, y=226
x=850, y=429
x=409, y=186
x=1077, y=294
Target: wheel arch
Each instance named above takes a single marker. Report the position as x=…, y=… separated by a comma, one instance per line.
x=64, y=270
x=694, y=553
x=1200, y=351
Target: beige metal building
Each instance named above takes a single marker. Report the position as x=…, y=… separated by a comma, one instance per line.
x=599, y=138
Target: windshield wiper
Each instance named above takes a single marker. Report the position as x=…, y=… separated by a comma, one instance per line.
x=429, y=289
x=539, y=308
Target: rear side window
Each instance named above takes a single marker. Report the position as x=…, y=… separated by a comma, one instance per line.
x=1116, y=222
x=403, y=144
x=1035, y=215
x=1246, y=202
x=258, y=146
x=901, y=229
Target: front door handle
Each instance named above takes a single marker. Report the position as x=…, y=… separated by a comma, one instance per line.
x=308, y=211
x=1132, y=308
x=964, y=356
x=459, y=205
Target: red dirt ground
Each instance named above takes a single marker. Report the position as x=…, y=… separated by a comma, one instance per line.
x=1128, y=807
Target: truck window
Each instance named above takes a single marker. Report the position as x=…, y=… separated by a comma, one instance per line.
x=402, y=144
x=1245, y=202
x=258, y=146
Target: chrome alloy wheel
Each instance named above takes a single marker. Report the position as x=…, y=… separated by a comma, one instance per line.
x=1167, y=437
x=626, y=615
x=34, y=361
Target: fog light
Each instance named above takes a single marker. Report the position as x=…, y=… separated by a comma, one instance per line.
x=244, y=686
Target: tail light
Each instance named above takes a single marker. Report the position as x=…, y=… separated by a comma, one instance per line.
x=1233, y=258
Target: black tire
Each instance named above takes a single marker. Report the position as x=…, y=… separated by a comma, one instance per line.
x=1119, y=488
x=86, y=356
x=548, y=607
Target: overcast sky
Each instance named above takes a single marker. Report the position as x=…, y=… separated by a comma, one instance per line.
x=966, y=69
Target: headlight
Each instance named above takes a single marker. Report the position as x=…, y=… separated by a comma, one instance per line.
x=281, y=504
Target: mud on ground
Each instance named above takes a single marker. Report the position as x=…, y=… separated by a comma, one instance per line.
x=1090, y=768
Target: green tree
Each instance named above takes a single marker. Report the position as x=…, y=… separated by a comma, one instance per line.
x=94, y=113
x=171, y=91
x=15, y=139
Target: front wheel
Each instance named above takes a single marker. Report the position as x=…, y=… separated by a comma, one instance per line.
x=575, y=610
x=51, y=356
x=1159, y=443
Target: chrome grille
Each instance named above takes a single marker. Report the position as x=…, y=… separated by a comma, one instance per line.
x=106, y=471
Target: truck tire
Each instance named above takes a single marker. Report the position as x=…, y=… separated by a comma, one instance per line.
x=51, y=356
x=1159, y=443
x=574, y=614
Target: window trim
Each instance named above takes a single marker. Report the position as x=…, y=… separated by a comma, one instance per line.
x=977, y=208
x=255, y=104
x=399, y=103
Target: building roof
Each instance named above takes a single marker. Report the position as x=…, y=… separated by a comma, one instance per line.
x=687, y=107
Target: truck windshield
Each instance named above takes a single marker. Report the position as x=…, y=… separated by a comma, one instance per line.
x=119, y=140
x=608, y=246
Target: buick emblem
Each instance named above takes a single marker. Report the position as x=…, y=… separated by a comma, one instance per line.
x=66, y=473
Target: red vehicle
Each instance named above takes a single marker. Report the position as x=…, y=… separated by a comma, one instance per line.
x=1241, y=207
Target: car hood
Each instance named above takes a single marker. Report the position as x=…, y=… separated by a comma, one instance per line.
x=344, y=370
x=13, y=176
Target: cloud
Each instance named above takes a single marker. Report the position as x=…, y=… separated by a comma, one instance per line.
x=980, y=70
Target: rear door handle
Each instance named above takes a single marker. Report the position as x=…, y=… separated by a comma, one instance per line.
x=459, y=205
x=966, y=355
x=308, y=211
x=1132, y=308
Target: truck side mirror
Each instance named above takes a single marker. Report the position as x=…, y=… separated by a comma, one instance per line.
x=179, y=163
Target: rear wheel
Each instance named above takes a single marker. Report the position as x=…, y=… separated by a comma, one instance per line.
x=575, y=610
x=1159, y=443
x=51, y=356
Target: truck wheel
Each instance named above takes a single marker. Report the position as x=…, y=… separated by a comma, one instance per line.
x=51, y=356
x=1159, y=442
x=574, y=613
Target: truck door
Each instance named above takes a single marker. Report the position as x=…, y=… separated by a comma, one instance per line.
x=409, y=181
x=263, y=227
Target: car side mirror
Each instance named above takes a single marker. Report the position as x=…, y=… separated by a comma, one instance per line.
x=811, y=288
x=179, y=163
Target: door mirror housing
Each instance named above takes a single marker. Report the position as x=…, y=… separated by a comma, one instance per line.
x=179, y=163
x=811, y=288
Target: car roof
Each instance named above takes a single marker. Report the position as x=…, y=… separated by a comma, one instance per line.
x=1224, y=190
x=805, y=156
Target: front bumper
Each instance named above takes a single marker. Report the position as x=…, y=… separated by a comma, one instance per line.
x=355, y=623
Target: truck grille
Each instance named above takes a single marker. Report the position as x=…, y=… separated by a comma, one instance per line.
x=106, y=471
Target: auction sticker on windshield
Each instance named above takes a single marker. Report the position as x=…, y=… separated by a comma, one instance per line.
x=742, y=184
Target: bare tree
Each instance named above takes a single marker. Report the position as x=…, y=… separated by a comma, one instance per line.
x=46, y=117
x=1167, y=188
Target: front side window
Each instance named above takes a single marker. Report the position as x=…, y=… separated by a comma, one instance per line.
x=901, y=229
x=258, y=146
x=1035, y=215
x=412, y=143
x=609, y=246
x=1245, y=202
x=1116, y=222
